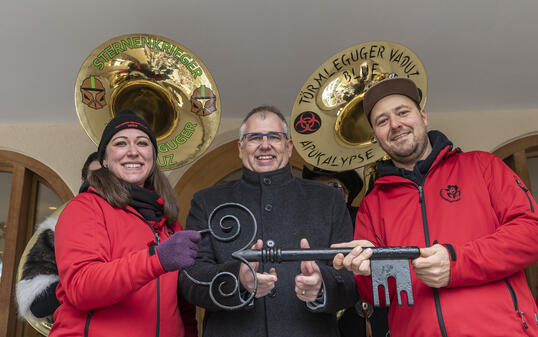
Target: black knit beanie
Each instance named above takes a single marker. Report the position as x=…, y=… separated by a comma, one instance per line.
x=125, y=119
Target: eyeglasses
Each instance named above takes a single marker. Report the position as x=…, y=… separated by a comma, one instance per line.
x=256, y=138
x=337, y=186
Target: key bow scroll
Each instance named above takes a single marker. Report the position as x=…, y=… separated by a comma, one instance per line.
x=385, y=262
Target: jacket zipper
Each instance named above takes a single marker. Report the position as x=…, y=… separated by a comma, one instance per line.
x=157, y=241
x=158, y=307
x=422, y=201
x=510, y=289
x=427, y=239
x=87, y=326
x=526, y=191
x=514, y=300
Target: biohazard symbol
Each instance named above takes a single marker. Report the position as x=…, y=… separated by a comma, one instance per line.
x=93, y=93
x=307, y=122
x=451, y=193
x=203, y=101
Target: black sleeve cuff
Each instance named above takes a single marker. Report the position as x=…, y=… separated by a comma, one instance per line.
x=151, y=250
x=46, y=303
x=451, y=251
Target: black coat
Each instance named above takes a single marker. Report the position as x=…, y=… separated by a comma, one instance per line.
x=286, y=209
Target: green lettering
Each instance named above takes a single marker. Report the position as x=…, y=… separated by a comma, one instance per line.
x=166, y=46
x=99, y=64
x=184, y=59
x=147, y=42
x=136, y=42
x=117, y=47
x=171, y=159
x=102, y=55
x=192, y=64
x=110, y=52
x=189, y=126
x=162, y=148
x=197, y=72
x=177, y=53
x=161, y=163
x=165, y=162
x=186, y=133
x=173, y=146
x=127, y=44
x=156, y=44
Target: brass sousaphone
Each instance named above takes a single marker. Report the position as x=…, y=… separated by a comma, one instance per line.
x=328, y=124
x=160, y=80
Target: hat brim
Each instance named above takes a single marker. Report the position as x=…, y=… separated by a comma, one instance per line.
x=391, y=86
x=350, y=179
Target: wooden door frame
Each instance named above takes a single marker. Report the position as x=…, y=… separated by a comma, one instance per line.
x=26, y=171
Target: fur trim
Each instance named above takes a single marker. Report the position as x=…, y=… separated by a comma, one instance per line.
x=39, y=271
x=28, y=290
x=48, y=223
x=41, y=258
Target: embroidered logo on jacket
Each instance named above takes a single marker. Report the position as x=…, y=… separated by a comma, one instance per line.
x=451, y=193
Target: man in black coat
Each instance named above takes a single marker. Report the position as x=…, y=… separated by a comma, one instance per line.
x=292, y=298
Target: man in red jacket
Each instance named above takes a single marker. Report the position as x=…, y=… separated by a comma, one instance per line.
x=472, y=217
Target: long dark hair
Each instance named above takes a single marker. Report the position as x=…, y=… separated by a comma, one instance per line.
x=116, y=191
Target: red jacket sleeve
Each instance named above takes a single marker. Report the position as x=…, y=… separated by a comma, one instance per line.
x=513, y=245
x=89, y=276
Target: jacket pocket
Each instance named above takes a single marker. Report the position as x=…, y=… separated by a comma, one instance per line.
x=514, y=301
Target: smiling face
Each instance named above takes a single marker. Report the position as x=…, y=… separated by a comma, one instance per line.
x=400, y=129
x=267, y=155
x=129, y=156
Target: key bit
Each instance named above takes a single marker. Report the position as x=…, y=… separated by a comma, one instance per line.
x=399, y=270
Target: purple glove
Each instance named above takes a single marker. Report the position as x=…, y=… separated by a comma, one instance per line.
x=179, y=251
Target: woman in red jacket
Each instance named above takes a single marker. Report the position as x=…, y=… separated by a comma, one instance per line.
x=119, y=246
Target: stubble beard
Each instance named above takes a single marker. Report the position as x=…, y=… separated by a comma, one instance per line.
x=408, y=155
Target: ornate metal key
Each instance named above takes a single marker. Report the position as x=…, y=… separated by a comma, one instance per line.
x=385, y=261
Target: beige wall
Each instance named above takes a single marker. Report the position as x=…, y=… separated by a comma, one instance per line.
x=64, y=147
x=485, y=130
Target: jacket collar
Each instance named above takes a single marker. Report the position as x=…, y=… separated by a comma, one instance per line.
x=276, y=177
x=155, y=224
x=440, y=146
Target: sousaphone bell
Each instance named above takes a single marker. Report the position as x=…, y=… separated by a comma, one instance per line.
x=161, y=81
x=328, y=124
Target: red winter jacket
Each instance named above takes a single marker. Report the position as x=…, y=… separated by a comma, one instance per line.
x=481, y=211
x=111, y=281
